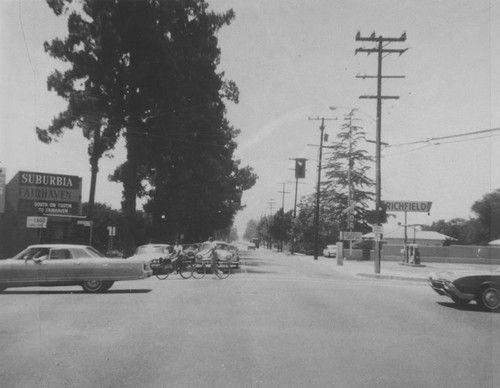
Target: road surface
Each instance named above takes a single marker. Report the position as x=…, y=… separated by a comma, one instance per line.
x=280, y=321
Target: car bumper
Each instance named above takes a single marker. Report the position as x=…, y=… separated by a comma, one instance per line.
x=447, y=288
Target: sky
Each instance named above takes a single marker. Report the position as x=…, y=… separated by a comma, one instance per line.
x=292, y=60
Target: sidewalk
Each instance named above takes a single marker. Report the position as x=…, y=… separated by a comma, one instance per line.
x=395, y=270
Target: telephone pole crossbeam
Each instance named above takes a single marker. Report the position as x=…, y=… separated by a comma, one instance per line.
x=381, y=97
x=376, y=76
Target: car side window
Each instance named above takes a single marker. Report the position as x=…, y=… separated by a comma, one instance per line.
x=40, y=254
x=60, y=254
x=81, y=253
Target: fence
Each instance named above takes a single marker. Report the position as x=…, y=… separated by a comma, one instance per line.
x=465, y=254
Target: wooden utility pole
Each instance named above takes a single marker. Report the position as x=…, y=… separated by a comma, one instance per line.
x=316, y=217
x=282, y=226
x=380, y=50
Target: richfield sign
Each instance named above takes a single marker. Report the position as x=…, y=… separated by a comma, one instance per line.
x=48, y=194
x=408, y=206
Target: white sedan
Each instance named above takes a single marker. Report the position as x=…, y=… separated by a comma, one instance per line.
x=330, y=251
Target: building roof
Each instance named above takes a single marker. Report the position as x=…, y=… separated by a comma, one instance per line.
x=399, y=233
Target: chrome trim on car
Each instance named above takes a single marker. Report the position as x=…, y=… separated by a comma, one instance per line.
x=446, y=287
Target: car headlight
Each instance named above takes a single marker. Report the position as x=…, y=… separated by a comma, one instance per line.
x=228, y=257
x=198, y=256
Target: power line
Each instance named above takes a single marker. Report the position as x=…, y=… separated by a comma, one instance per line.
x=430, y=139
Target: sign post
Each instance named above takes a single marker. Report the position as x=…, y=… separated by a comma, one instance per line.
x=111, y=234
x=2, y=189
x=408, y=206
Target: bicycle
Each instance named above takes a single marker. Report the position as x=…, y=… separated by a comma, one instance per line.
x=163, y=267
x=200, y=269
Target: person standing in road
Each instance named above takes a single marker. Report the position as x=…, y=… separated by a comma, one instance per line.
x=213, y=257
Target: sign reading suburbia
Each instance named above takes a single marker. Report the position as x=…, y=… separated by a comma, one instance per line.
x=408, y=206
x=48, y=194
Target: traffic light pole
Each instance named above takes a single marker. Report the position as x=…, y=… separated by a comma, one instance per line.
x=300, y=172
x=318, y=188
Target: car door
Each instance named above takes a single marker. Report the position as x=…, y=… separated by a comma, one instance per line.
x=60, y=267
x=27, y=268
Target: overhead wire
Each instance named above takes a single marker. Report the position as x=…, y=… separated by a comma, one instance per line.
x=430, y=139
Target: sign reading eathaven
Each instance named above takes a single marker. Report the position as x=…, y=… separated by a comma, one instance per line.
x=42, y=193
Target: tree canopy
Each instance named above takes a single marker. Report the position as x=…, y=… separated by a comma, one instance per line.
x=148, y=70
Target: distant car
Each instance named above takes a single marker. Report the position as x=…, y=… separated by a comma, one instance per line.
x=465, y=286
x=222, y=251
x=330, y=251
x=66, y=265
x=251, y=246
x=155, y=249
x=190, y=251
x=236, y=254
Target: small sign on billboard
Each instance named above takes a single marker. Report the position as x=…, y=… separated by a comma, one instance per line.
x=36, y=222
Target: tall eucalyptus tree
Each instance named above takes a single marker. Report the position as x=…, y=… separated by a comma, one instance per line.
x=147, y=70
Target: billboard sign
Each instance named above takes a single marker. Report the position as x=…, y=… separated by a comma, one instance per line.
x=47, y=194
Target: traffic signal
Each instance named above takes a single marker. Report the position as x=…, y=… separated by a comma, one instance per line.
x=300, y=168
x=382, y=212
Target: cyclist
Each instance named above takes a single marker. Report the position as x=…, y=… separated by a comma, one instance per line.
x=178, y=250
x=213, y=257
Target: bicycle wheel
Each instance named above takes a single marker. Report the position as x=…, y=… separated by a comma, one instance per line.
x=224, y=270
x=199, y=271
x=162, y=276
x=186, y=270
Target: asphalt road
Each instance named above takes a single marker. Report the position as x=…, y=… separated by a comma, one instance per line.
x=280, y=321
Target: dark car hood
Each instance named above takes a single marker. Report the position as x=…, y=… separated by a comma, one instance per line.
x=454, y=275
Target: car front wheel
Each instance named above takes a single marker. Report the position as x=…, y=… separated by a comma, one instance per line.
x=96, y=286
x=489, y=298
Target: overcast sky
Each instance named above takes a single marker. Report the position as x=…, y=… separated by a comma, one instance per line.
x=291, y=60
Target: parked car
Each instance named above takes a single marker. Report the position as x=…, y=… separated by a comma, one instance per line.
x=330, y=251
x=190, y=251
x=66, y=265
x=465, y=286
x=222, y=251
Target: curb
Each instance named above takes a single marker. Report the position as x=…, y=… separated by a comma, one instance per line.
x=392, y=277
